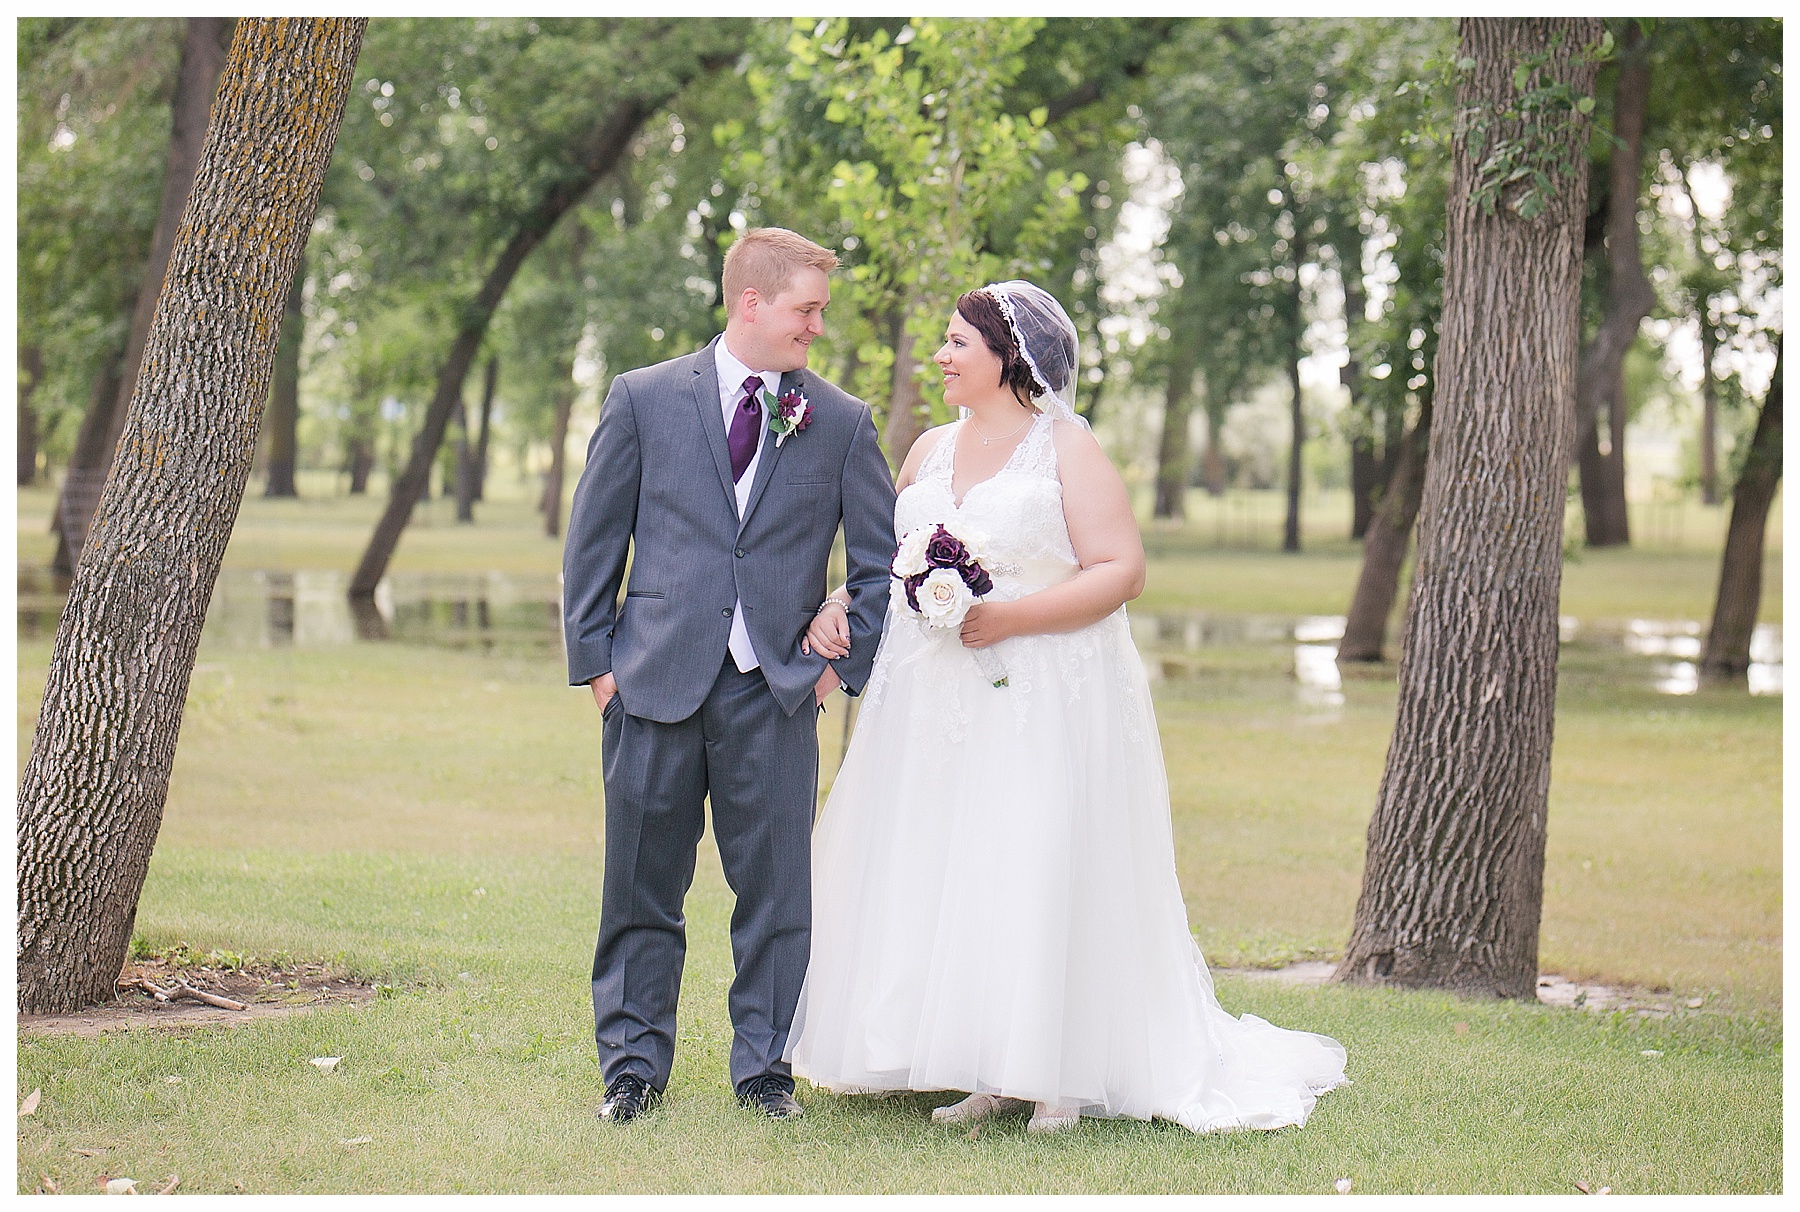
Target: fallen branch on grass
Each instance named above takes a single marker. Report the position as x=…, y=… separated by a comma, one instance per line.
x=138, y=982
x=181, y=989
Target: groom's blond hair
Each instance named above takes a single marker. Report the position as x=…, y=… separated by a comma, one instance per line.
x=764, y=259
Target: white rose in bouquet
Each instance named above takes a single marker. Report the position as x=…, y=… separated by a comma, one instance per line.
x=976, y=541
x=909, y=560
x=944, y=599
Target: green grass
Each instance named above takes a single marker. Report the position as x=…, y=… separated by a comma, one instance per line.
x=432, y=817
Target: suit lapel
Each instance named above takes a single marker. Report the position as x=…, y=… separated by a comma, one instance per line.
x=771, y=453
x=712, y=419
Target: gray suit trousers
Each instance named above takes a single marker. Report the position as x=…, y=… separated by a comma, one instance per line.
x=760, y=768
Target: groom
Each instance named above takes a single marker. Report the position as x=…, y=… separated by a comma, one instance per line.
x=728, y=508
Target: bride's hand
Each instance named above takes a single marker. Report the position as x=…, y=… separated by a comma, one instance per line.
x=829, y=633
x=985, y=625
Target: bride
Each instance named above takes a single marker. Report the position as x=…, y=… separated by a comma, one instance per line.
x=995, y=905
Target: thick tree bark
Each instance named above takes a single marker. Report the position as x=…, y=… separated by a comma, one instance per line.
x=1172, y=461
x=92, y=794
x=1384, y=548
x=1452, y=888
x=1727, y=652
x=282, y=422
x=1630, y=297
x=31, y=373
x=605, y=144
x=197, y=79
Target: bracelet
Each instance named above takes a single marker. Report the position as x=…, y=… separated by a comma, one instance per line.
x=832, y=602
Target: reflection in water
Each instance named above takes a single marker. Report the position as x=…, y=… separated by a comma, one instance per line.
x=1681, y=677
x=524, y=613
x=1171, y=644
x=251, y=609
x=1315, y=668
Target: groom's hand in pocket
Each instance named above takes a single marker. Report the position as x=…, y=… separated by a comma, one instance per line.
x=604, y=687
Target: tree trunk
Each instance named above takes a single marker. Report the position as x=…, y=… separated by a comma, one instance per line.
x=1366, y=477
x=552, y=503
x=1212, y=463
x=487, y=413
x=283, y=420
x=1365, y=485
x=1604, y=515
x=1727, y=652
x=92, y=794
x=607, y=142
x=1290, y=538
x=906, y=404
x=197, y=79
x=31, y=373
x=1709, y=410
x=86, y=471
x=1172, y=460
x=1630, y=298
x=360, y=463
x=464, y=462
x=1384, y=548
x=1452, y=888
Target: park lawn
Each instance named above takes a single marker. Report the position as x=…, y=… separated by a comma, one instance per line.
x=431, y=817
x=1675, y=577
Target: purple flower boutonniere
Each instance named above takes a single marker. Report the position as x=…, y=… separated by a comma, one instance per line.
x=788, y=414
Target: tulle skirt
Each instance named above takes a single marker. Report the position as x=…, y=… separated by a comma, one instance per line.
x=995, y=903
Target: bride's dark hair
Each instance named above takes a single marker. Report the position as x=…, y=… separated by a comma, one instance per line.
x=980, y=309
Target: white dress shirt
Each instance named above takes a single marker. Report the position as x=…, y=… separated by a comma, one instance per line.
x=732, y=374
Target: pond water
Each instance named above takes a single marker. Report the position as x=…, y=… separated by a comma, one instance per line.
x=514, y=613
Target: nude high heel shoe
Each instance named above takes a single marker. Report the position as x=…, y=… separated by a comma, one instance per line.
x=1046, y=1119
x=977, y=1107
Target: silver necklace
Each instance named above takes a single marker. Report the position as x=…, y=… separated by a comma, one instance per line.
x=987, y=441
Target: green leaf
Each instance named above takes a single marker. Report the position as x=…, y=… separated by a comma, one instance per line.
x=1585, y=105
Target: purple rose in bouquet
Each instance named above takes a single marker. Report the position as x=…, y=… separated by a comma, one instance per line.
x=942, y=577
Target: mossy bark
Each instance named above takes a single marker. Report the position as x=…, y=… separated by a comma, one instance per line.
x=92, y=794
x=1452, y=889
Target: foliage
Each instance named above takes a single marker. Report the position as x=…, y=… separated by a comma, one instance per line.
x=942, y=185
x=93, y=130
x=1517, y=147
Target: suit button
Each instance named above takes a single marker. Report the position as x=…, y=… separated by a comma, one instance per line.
x=726, y=612
x=740, y=553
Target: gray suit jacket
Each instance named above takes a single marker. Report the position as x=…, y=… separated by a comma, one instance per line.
x=658, y=482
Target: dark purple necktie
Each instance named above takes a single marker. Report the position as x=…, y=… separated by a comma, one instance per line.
x=746, y=421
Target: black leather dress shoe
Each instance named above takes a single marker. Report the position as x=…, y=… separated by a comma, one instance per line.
x=628, y=1097
x=771, y=1096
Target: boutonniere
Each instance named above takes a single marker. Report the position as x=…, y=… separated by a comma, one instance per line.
x=788, y=414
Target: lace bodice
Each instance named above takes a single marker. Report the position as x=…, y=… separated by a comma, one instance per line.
x=1019, y=509
x=1025, y=538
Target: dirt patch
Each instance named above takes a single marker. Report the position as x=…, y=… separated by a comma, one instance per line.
x=264, y=990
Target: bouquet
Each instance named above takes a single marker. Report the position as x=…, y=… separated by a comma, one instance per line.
x=942, y=575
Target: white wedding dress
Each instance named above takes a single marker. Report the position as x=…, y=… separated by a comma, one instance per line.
x=995, y=905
